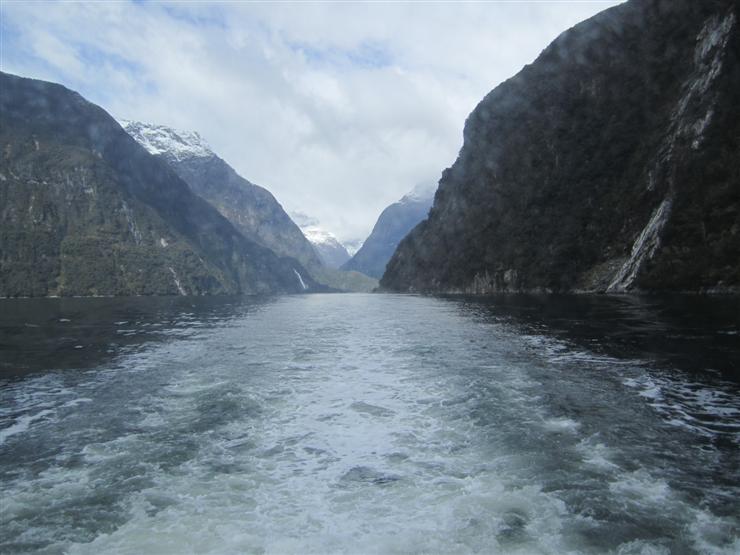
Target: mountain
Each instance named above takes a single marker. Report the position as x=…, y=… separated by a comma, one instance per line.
x=329, y=249
x=609, y=164
x=393, y=224
x=253, y=210
x=332, y=253
x=85, y=210
x=352, y=246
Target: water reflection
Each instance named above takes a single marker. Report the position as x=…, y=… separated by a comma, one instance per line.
x=696, y=334
x=66, y=333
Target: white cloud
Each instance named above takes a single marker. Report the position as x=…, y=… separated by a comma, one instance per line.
x=337, y=108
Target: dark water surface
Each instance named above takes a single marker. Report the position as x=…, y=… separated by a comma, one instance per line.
x=370, y=424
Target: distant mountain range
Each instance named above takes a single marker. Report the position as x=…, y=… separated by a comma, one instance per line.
x=253, y=210
x=393, y=224
x=610, y=164
x=328, y=247
x=85, y=210
x=332, y=253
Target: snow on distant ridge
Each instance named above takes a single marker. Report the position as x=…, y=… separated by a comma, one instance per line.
x=303, y=220
x=312, y=230
x=160, y=139
x=353, y=246
x=333, y=252
x=421, y=192
x=329, y=249
x=319, y=236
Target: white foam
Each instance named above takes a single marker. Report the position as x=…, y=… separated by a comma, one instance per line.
x=340, y=456
x=304, y=429
x=22, y=424
x=708, y=531
x=641, y=547
x=597, y=454
x=76, y=402
x=561, y=425
x=705, y=409
x=640, y=487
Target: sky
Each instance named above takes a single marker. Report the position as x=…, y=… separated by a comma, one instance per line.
x=338, y=108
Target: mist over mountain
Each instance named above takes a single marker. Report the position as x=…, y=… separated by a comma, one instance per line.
x=85, y=210
x=353, y=245
x=330, y=250
x=608, y=164
x=252, y=209
x=332, y=253
x=393, y=224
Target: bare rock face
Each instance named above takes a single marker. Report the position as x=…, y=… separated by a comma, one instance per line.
x=609, y=164
x=85, y=210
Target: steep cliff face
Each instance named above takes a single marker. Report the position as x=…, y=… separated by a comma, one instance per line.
x=84, y=210
x=253, y=210
x=393, y=224
x=609, y=164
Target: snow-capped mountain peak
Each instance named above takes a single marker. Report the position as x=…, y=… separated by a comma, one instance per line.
x=319, y=236
x=160, y=139
x=421, y=192
x=353, y=245
x=328, y=247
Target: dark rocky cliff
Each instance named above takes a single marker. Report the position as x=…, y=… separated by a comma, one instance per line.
x=612, y=163
x=252, y=209
x=393, y=224
x=85, y=210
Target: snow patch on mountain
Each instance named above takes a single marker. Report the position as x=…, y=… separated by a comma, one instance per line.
x=353, y=245
x=331, y=251
x=421, y=192
x=319, y=236
x=163, y=140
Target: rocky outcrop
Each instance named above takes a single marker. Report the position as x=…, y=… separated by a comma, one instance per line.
x=609, y=164
x=85, y=210
x=393, y=224
x=252, y=209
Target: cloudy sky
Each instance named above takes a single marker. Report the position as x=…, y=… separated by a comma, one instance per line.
x=338, y=108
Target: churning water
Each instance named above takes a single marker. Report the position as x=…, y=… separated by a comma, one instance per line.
x=370, y=424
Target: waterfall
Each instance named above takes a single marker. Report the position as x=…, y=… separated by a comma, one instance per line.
x=300, y=279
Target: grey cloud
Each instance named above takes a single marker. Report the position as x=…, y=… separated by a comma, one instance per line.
x=338, y=109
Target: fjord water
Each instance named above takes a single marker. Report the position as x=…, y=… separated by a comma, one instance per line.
x=370, y=424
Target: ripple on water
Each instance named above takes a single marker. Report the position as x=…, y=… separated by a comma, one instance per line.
x=416, y=428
